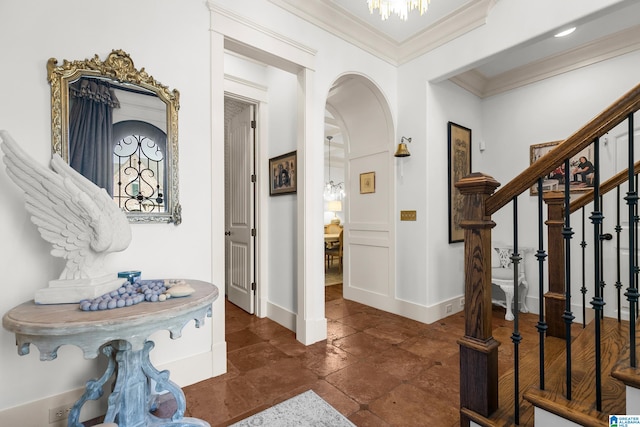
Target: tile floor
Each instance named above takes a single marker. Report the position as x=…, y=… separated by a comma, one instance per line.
x=376, y=368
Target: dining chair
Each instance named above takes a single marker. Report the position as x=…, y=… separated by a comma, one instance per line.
x=334, y=252
x=332, y=229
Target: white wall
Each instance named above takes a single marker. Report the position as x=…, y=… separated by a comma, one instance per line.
x=282, y=209
x=551, y=110
x=429, y=270
x=332, y=58
x=175, y=50
x=171, y=40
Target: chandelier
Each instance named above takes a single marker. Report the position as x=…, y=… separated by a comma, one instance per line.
x=399, y=7
x=332, y=191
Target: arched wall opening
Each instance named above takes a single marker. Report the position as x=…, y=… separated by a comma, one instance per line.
x=367, y=130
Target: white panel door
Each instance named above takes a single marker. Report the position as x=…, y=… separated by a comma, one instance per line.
x=240, y=212
x=369, y=254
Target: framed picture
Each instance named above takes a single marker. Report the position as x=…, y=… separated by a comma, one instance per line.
x=367, y=182
x=283, y=174
x=580, y=173
x=459, y=166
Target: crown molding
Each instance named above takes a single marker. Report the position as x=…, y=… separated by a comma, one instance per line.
x=599, y=50
x=473, y=81
x=466, y=18
x=325, y=15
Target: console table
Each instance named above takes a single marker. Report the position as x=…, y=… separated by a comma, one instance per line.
x=121, y=335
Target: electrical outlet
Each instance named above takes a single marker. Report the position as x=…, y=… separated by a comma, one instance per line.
x=448, y=308
x=60, y=413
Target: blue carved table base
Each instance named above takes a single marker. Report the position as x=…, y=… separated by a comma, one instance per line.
x=131, y=401
x=120, y=335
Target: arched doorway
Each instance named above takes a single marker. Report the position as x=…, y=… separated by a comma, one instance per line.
x=362, y=112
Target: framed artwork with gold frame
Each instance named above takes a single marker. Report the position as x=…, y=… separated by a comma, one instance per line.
x=459, y=151
x=555, y=180
x=367, y=182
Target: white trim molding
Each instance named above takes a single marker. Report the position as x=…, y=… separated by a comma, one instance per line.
x=617, y=44
x=326, y=15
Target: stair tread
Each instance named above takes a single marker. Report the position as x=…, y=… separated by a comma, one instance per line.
x=582, y=407
x=623, y=370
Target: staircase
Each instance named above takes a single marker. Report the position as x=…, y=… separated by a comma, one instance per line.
x=571, y=386
x=581, y=409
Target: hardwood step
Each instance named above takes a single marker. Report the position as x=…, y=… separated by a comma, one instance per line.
x=623, y=370
x=581, y=408
x=529, y=377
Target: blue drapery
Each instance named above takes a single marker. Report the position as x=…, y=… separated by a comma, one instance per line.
x=90, y=130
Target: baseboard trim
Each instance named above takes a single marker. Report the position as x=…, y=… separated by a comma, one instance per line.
x=36, y=413
x=190, y=370
x=281, y=316
x=219, y=359
x=397, y=306
x=183, y=372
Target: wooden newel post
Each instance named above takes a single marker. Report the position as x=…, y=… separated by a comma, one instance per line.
x=554, y=299
x=478, y=349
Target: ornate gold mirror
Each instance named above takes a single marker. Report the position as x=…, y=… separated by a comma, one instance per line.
x=118, y=127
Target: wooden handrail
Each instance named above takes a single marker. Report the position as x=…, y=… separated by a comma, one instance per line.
x=610, y=184
x=601, y=124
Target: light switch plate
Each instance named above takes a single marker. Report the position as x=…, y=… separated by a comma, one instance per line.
x=407, y=215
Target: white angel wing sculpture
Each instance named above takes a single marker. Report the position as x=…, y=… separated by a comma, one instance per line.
x=78, y=218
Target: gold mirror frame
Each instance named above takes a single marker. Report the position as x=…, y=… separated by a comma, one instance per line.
x=118, y=67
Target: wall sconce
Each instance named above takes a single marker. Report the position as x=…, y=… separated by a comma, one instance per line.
x=402, y=150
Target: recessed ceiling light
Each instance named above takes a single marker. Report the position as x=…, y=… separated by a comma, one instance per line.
x=565, y=32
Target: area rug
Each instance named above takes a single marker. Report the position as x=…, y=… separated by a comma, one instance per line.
x=304, y=410
x=332, y=276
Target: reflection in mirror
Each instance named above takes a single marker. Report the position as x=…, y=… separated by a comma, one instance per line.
x=118, y=127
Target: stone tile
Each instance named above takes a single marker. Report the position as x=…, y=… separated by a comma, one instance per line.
x=400, y=363
x=407, y=405
x=341, y=308
x=240, y=339
x=365, y=418
x=324, y=359
x=362, y=345
x=337, y=330
x=378, y=369
x=336, y=398
x=433, y=349
x=279, y=377
x=254, y=398
x=217, y=403
x=267, y=329
x=441, y=379
x=255, y=356
x=333, y=292
x=391, y=332
x=362, y=382
x=288, y=344
x=362, y=321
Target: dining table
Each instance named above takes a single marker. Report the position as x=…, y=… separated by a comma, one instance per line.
x=331, y=237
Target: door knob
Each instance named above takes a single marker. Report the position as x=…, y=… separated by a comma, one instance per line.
x=227, y=233
x=606, y=236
